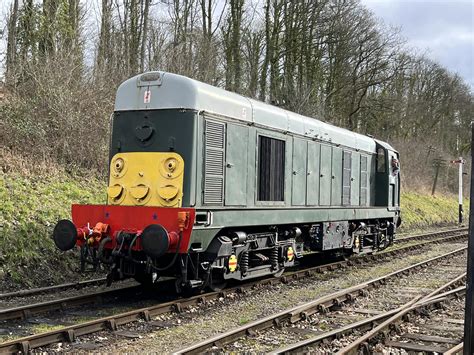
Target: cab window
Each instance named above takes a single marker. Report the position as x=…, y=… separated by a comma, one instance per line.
x=381, y=165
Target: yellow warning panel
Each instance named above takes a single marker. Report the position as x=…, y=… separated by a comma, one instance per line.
x=290, y=254
x=146, y=179
x=232, y=263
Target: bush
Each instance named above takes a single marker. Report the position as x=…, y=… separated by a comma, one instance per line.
x=32, y=202
x=57, y=116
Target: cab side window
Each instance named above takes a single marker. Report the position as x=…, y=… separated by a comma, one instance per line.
x=381, y=164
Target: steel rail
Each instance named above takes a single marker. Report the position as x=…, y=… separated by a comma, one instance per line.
x=430, y=235
x=371, y=322
x=353, y=347
x=300, y=312
x=69, y=334
x=34, y=291
x=440, y=229
x=458, y=349
x=24, y=312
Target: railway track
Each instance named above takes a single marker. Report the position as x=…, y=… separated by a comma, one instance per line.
x=49, y=289
x=430, y=235
x=62, y=304
x=419, y=340
x=102, y=280
x=323, y=308
x=111, y=322
x=377, y=326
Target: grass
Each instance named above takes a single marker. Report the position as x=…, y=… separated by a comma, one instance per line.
x=423, y=210
x=244, y=320
x=30, y=206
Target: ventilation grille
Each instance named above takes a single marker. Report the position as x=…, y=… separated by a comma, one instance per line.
x=363, y=181
x=271, y=169
x=346, y=179
x=214, y=163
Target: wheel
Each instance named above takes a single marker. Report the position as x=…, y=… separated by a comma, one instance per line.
x=217, y=282
x=279, y=272
x=145, y=279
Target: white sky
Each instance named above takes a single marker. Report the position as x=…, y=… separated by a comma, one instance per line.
x=443, y=29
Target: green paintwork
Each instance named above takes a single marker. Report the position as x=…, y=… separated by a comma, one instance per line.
x=275, y=216
x=346, y=177
x=325, y=176
x=314, y=163
x=387, y=184
x=298, y=188
x=355, y=183
x=336, y=177
x=236, y=165
x=312, y=185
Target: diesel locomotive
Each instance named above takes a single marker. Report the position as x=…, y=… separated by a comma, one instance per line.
x=206, y=186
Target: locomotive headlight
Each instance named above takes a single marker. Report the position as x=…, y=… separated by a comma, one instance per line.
x=118, y=165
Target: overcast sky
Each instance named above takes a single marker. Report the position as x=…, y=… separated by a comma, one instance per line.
x=443, y=29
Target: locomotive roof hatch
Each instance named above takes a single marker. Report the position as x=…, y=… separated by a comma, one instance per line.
x=159, y=90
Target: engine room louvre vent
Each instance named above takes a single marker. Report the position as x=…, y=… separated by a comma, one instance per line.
x=214, y=143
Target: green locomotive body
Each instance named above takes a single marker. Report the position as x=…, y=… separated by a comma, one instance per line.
x=265, y=185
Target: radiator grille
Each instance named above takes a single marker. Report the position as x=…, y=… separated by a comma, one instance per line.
x=214, y=163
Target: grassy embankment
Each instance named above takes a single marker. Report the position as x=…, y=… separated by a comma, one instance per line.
x=29, y=208
x=31, y=203
x=421, y=210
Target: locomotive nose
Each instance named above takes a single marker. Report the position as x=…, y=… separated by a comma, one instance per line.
x=156, y=240
x=65, y=235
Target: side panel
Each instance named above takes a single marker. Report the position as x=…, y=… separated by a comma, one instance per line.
x=312, y=180
x=371, y=184
x=346, y=178
x=225, y=218
x=236, y=165
x=325, y=176
x=252, y=167
x=355, y=179
x=363, y=180
x=298, y=184
x=336, y=176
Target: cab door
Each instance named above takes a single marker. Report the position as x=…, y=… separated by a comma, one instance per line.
x=298, y=186
x=312, y=173
x=325, y=176
x=236, y=165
